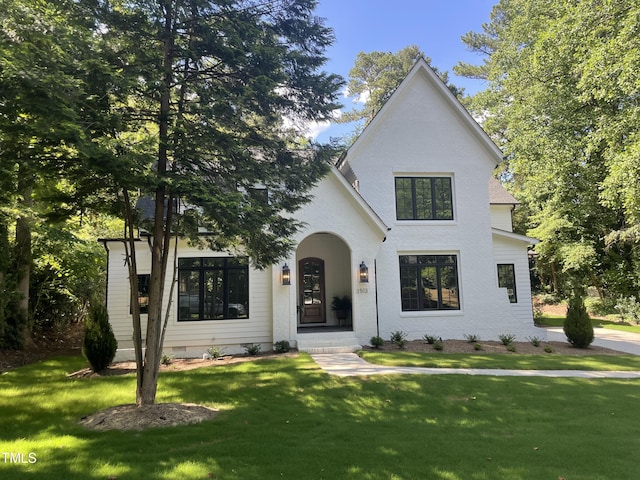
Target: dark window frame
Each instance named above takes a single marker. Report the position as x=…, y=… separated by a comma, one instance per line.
x=413, y=290
x=505, y=277
x=144, y=279
x=433, y=206
x=206, y=269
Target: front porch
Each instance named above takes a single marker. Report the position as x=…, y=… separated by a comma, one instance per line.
x=328, y=342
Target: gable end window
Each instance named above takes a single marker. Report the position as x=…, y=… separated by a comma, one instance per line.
x=507, y=279
x=213, y=288
x=424, y=198
x=429, y=282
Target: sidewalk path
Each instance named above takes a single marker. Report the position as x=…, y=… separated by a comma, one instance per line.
x=350, y=364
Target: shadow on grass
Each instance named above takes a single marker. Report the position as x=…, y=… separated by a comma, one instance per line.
x=288, y=419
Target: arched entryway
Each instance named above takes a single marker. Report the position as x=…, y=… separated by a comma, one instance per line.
x=324, y=272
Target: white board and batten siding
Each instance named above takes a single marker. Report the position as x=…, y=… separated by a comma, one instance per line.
x=188, y=338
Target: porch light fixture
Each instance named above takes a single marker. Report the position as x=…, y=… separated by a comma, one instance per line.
x=286, y=275
x=364, y=273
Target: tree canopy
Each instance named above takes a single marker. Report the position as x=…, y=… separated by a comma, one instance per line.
x=183, y=102
x=376, y=75
x=562, y=102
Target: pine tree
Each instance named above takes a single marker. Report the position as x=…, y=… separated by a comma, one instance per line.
x=100, y=344
x=577, y=326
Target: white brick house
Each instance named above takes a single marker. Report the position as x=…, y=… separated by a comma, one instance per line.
x=410, y=224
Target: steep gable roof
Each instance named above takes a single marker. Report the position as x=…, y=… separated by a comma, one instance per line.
x=421, y=67
x=357, y=199
x=498, y=195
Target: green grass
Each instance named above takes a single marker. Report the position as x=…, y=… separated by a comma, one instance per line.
x=286, y=418
x=558, y=320
x=515, y=362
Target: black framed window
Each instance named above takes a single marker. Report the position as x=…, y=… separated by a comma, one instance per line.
x=507, y=279
x=143, y=292
x=424, y=198
x=429, y=282
x=213, y=288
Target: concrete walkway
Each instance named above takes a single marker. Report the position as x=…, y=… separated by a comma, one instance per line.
x=349, y=364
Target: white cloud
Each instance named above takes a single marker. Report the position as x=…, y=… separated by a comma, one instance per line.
x=363, y=97
x=310, y=129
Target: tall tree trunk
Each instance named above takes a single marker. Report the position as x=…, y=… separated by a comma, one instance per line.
x=132, y=265
x=23, y=253
x=4, y=268
x=161, y=230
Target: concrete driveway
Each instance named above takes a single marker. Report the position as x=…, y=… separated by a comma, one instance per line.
x=614, y=339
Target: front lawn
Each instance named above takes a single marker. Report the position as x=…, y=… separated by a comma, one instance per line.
x=504, y=361
x=285, y=418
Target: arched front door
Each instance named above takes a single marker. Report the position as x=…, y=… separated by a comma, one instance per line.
x=311, y=284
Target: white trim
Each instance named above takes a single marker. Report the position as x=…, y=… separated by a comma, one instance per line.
x=515, y=236
x=357, y=198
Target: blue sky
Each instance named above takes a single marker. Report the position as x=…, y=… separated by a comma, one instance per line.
x=390, y=25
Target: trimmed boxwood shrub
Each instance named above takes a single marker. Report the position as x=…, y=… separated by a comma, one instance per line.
x=100, y=344
x=577, y=326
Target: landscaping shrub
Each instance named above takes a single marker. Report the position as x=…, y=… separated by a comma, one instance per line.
x=281, y=346
x=577, y=326
x=216, y=352
x=252, y=349
x=430, y=339
x=376, y=342
x=399, y=338
x=100, y=344
x=507, y=338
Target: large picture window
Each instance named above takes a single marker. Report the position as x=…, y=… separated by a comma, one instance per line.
x=429, y=282
x=213, y=288
x=424, y=198
x=507, y=279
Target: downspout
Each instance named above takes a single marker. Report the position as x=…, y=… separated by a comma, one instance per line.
x=375, y=288
x=106, y=287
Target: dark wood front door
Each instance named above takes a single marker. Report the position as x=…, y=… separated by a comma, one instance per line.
x=311, y=284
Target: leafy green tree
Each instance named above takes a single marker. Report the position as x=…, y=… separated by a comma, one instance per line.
x=197, y=95
x=562, y=102
x=376, y=75
x=40, y=44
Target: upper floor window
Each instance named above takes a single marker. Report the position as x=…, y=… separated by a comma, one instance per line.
x=213, y=288
x=424, y=198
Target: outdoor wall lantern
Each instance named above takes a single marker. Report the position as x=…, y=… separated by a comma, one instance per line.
x=286, y=275
x=364, y=273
